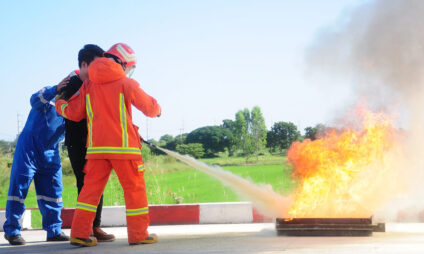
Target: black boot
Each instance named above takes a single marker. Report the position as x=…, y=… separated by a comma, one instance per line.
x=15, y=239
x=58, y=238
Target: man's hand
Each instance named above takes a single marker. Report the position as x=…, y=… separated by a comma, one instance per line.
x=63, y=84
x=59, y=96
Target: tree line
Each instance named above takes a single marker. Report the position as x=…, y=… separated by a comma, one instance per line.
x=245, y=136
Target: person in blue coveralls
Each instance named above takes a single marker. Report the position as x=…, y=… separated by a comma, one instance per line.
x=37, y=157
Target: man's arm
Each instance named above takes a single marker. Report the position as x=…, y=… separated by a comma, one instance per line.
x=142, y=101
x=43, y=97
x=74, y=109
x=46, y=94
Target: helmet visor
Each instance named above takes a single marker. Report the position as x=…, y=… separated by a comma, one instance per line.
x=130, y=71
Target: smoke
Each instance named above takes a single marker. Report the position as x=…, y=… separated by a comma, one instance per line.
x=264, y=199
x=379, y=49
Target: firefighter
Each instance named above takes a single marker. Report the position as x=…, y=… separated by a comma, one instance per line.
x=113, y=141
x=76, y=132
x=37, y=157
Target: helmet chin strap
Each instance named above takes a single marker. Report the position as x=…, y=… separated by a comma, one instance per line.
x=130, y=72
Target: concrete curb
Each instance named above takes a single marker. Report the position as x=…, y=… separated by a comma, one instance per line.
x=202, y=213
x=25, y=220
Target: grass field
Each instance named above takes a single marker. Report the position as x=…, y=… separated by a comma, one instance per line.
x=169, y=182
x=236, y=161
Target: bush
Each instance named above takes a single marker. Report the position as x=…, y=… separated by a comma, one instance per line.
x=193, y=149
x=66, y=163
x=66, y=166
x=145, y=152
x=5, y=166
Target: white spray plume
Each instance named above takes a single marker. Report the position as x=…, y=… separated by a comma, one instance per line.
x=264, y=199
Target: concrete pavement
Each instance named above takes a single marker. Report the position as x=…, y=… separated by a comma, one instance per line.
x=236, y=238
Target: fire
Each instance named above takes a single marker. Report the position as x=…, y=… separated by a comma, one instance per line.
x=339, y=173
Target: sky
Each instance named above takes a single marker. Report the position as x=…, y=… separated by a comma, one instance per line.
x=202, y=60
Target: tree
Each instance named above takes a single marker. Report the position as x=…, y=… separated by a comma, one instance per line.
x=231, y=126
x=169, y=142
x=313, y=133
x=165, y=139
x=172, y=145
x=213, y=138
x=193, y=149
x=282, y=134
x=250, y=131
x=242, y=137
x=258, y=130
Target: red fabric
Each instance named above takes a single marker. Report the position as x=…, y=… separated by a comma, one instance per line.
x=132, y=181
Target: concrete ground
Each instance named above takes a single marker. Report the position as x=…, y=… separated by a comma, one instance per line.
x=235, y=238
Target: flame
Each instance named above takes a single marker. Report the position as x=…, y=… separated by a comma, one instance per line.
x=340, y=174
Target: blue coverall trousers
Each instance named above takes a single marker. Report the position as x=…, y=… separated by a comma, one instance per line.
x=34, y=161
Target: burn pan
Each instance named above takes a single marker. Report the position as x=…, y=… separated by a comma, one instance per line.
x=327, y=227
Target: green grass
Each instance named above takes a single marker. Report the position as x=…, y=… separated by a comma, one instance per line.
x=173, y=182
x=259, y=160
x=278, y=176
x=169, y=181
x=5, y=164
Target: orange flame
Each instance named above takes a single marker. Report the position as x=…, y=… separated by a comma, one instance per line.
x=335, y=173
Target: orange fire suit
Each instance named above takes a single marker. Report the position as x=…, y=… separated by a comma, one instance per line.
x=112, y=142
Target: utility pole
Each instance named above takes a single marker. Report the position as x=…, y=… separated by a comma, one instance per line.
x=19, y=123
x=181, y=133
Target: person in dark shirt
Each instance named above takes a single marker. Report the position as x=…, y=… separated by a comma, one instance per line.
x=76, y=132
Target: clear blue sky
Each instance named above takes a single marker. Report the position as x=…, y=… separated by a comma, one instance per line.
x=202, y=60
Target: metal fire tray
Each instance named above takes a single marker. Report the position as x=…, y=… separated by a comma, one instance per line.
x=327, y=227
